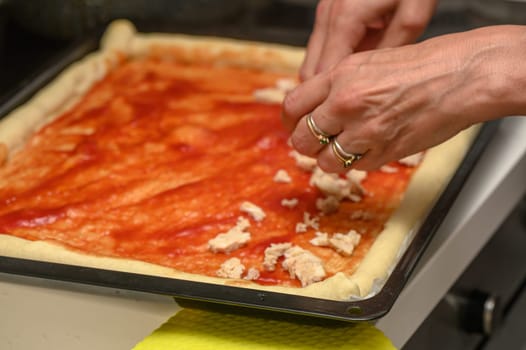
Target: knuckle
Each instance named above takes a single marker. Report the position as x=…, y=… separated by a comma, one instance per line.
x=290, y=102
x=344, y=101
x=373, y=133
x=303, y=143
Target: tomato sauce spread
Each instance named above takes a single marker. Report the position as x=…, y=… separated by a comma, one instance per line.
x=155, y=161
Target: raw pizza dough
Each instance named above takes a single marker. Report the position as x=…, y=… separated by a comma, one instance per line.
x=121, y=40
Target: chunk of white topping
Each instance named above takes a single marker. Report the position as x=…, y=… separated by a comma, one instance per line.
x=282, y=176
x=330, y=184
x=321, y=239
x=388, y=169
x=313, y=222
x=345, y=243
x=289, y=203
x=356, y=177
x=303, y=265
x=253, y=210
x=342, y=243
x=232, y=239
x=272, y=254
x=303, y=162
x=412, y=160
x=285, y=84
x=269, y=95
x=252, y=274
x=355, y=198
x=301, y=227
x=308, y=221
x=231, y=268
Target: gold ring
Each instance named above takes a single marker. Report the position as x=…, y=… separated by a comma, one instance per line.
x=346, y=158
x=322, y=136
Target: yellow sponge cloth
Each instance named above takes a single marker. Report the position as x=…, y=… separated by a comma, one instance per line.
x=196, y=329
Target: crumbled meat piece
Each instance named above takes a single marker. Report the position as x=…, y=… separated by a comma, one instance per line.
x=231, y=268
x=330, y=184
x=355, y=198
x=269, y=95
x=388, y=169
x=303, y=265
x=327, y=205
x=282, y=176
x=345, y=243
x=412, y=160
x=289, y=203
x=336, y=186
x=272, y=254
x=356, y=177
x=253, y=210
x=285, y=85
x=301, y=227
x=313, y=222
x=321, y=239
x=342, y=243
x=252, y=274
x=232, y=239
x=308, y=221
x=275, y=94
x=303, y=162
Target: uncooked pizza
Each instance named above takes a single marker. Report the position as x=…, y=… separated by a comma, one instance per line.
x=165, y=155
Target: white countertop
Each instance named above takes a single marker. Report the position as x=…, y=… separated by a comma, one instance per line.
x=44, y=314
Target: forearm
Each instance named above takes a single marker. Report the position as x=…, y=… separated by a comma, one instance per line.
x=500, y=68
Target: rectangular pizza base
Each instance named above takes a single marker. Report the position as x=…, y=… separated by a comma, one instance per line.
x=430, y=179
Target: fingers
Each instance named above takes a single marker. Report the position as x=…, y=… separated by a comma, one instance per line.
x=316, y=40
x=304, y=99
x=408, y=22
x=339, y=28
x=345, y=30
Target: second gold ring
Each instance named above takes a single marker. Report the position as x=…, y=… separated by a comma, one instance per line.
x=345, y=157
x=323, y=137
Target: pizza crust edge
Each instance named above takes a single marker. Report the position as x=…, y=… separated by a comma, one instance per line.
x=121, y=39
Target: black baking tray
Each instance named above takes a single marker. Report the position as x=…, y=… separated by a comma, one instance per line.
x=198, y=292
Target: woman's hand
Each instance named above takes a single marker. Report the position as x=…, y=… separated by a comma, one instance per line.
x=390, y=103
x=346, y=26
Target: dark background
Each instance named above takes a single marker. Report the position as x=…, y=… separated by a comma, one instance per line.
x=34, y=32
